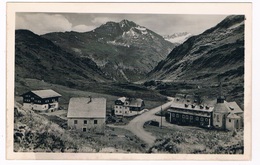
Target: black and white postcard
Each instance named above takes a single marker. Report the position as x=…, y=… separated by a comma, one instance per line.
x=124, y=81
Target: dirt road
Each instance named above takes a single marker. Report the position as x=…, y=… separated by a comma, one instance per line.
x=136, y=125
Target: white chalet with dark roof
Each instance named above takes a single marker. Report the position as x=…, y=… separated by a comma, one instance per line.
x=86, y=113
x=41, y=100
x=128, y=106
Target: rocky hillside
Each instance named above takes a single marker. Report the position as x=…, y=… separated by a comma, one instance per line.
x=218, y=52
x=124, y=50
x=38, y=58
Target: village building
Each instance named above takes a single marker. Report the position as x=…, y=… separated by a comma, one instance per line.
x=227, y=115
x=189, y=111
x=128, y=106
x=41, y=100
x=87, y=114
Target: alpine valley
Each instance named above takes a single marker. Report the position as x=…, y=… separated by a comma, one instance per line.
x=127, y=52
x=120, y=62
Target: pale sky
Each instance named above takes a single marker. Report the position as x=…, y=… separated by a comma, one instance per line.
x=163, y=24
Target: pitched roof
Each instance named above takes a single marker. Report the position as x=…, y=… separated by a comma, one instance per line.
x=136, y=102
x=228, y=107
x=236, y=108
x=122, y=99
x=233, y=116
x=45, y=93
x=222, y=107
x=181, y=105
x=81, y=107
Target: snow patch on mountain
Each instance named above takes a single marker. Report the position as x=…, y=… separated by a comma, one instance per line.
x=142, y=29
x=118, y=43
x=235, y=25
x=178, y=37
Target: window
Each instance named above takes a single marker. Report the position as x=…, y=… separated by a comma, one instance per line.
x=187, y=116
x=191, y=117
x=214, y=115
x=116, y=106
x=116, y=111
x=177, y=115
x=173, y=114
x=197, y=118
x=206, y=119
x=85, y=122
x=120, y=111
x=183, y=116
x=217, y=118
x=201, y=119
x=120, y=107
x=125, y=111
x=229, y=120
x=84, y=129
x=95, y=121
x=75, y=121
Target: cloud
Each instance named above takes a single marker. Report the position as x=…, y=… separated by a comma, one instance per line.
x=83, y=28
x=101, y=20
x=162, y=24
x=41, y=23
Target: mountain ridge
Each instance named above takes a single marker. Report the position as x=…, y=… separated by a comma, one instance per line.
x=123, y=50
x=217, y=53
x=209, y=44
x=39, y=58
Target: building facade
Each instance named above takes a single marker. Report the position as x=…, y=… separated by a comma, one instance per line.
x=189, y=114
x=41, y=100
x=223, y=115
x=87, y=114
x=128, y=106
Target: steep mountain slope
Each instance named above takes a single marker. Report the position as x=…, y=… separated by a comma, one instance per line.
x=178, y=38
x=37, y=57
x=196, y=65
x=124, y=50
x=217, y=51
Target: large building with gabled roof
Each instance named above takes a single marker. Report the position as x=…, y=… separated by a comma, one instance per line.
x=222, y=115
x=41, y=100
x=86, y=113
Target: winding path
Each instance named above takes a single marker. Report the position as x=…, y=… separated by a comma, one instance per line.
x=136, y=125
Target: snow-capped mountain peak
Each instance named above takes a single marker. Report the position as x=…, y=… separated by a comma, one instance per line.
x=178, y=38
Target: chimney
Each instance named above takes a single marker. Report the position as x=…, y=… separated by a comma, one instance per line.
x=90, y=99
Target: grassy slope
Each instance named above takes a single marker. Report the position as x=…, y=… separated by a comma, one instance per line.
x=109, y=91
x=190, y=140
x=34, y=133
